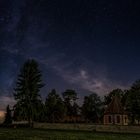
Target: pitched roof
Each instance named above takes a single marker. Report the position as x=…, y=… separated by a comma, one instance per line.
x=115, y=107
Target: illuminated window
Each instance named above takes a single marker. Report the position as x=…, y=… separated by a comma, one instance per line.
x=109, y=119
x=118, y=119
x=125, y=120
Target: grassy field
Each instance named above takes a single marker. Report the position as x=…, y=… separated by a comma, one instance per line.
x=44, y=134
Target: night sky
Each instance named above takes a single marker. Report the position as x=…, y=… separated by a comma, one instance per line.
x=86, y=45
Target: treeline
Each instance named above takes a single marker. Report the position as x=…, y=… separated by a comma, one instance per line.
x=64, y=107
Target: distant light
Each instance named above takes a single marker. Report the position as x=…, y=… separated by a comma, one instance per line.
x=2, y=113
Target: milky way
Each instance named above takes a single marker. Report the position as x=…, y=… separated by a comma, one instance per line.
x=86, y=45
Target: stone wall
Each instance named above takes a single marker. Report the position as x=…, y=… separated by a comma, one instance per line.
x=118, y=129
x=90, y=127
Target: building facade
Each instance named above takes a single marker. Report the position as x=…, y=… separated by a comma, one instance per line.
x=115, y=114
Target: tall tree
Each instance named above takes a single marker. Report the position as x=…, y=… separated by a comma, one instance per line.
x=27, y=89
x=41, y=115
x=8, y=116
x=55, y=107
x=92, y=107
x=70, y=97
x=133, y=102
x=75, y=109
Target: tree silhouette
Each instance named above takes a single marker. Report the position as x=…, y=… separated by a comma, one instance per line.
x=92, y=107
x=55, y=107
x=27, y=90
x=133, y=102
x=8, y=116
x=70, y=97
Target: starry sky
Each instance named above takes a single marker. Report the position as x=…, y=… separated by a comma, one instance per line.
x=86, y=45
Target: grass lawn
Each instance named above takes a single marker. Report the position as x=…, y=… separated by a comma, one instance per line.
x=44, y=134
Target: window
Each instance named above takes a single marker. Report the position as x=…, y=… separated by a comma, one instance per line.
x=118, y=119
x=125, y=119
x=109, y=119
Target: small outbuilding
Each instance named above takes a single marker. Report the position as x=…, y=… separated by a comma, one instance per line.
x=115, y=114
